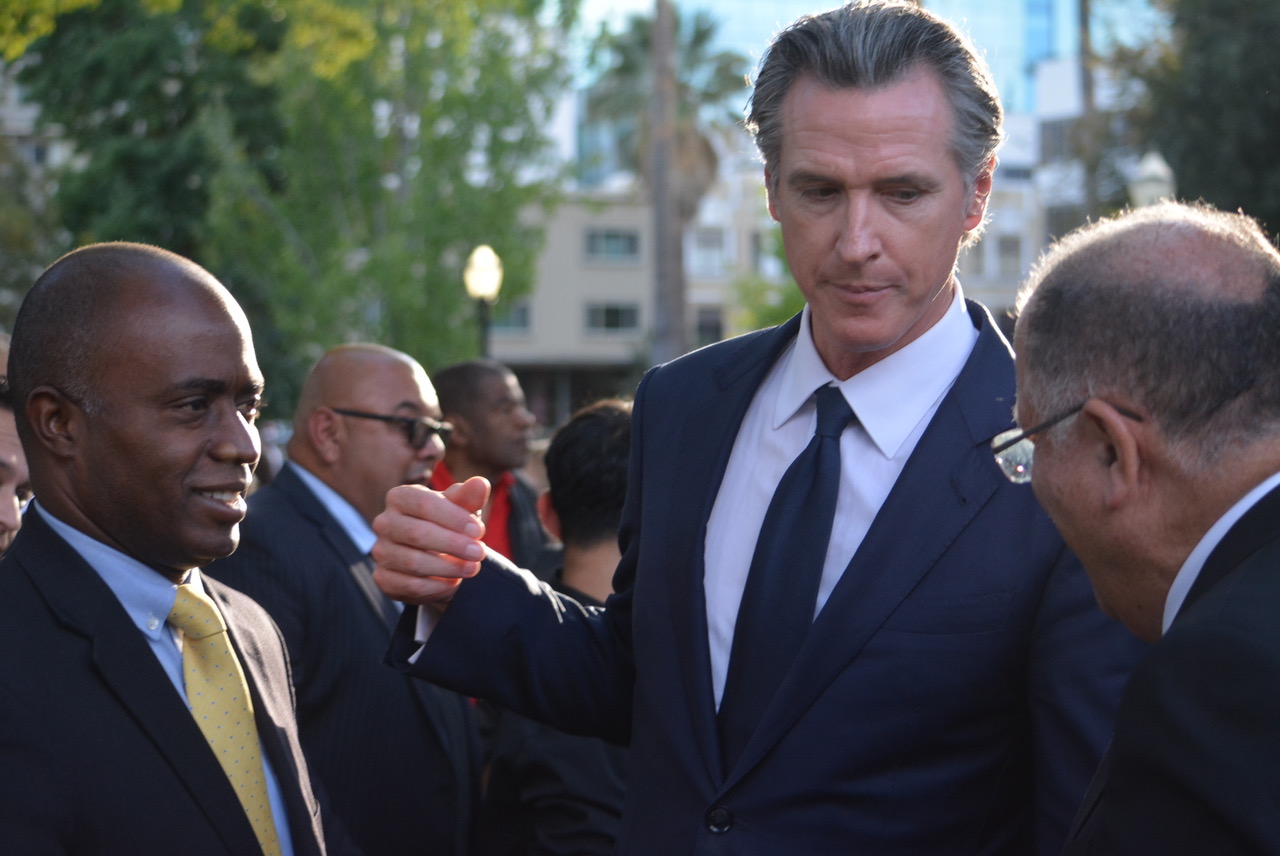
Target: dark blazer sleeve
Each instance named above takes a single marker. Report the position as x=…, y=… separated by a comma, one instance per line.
x=569, y=667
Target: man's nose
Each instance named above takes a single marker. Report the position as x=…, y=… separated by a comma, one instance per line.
x=432, y=449
x=237, y=440
x=859, y=240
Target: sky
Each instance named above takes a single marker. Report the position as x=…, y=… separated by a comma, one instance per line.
x=745, y=25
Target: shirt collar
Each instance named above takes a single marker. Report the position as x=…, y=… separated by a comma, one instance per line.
x=890, y=397
x=146, y=594
x=349, y=520
x=1194, y=564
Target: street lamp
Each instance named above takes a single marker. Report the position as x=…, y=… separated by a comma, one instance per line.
x=483, y=278
x=1152, y=180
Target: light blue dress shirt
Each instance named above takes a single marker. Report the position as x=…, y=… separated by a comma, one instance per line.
x=148, y=597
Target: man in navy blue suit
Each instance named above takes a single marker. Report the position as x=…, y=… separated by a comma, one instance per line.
x=1149, y=376
x=396, y=757
x=957, y=683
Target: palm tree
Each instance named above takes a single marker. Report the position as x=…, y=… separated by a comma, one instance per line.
x=702, y=94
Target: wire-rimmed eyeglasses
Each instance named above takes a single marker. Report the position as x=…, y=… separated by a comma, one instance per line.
x=1015, y=449
x=418, y=430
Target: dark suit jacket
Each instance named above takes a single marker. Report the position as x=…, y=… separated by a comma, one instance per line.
x=98, y=752
x=951, y=697
x=1195, y=766
x=398, y=759
x=548, y=793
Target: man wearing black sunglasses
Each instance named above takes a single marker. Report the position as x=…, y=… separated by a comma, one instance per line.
x=395, y=756
x=1153, y=342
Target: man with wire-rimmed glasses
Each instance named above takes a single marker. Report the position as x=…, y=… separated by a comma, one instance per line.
x=1149, y=374
x=394, y=755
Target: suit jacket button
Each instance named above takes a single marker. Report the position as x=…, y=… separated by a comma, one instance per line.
x=719, y=819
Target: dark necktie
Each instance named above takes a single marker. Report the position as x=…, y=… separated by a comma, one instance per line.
x=782, y=585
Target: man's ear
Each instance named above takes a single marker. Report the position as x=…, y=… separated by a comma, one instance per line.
x=460, y=439
x=57, y=422
x=981, y=193
x=1123, y=447
x=547, y=514
x=770, y=192
x=326, y=434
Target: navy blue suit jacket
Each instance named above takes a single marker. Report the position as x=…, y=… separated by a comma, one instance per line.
x=1195, y=766
x=399, y=760
x=98, y=752
x=953, y=696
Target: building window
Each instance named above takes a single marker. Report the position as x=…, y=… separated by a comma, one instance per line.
x=710, y=325
x=613, y=246
x=1058, y=140
x=1061, y=219
x=708, y=252
x=1009, y=249
x=612, y=317
x=511, y=316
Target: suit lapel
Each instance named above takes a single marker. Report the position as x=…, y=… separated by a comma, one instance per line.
x=705, y=442
x=273, y=710
x=124, y=661
x=946, y=482
x=435, y=703
x=1255, y=529
x=359, y=567
x=1092, y=797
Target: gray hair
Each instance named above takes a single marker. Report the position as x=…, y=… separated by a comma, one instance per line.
x=1175, y=306
x=871, y=44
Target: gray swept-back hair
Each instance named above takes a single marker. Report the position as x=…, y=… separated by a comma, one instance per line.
x=871, y=44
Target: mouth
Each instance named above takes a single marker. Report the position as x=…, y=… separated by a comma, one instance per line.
x=860, y=294
x=229, y=501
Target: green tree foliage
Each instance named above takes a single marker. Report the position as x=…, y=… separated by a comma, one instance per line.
x=29, y=234
x=1212, y=102
x=760, y=302
x=130, y=89
x=332, y=161
x=24, y=21
x=397, y=167
x=711, y=89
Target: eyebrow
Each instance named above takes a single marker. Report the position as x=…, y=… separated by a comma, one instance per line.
x=913, y=179
x=214, y=386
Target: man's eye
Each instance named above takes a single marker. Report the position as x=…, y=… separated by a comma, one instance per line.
x=904, y=194
x=251, y=410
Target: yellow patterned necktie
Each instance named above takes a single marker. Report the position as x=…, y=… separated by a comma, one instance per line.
x=218, y=696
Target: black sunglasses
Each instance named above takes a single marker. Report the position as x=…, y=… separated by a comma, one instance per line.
x=418, y=430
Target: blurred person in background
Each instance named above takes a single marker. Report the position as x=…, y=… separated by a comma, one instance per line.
x=492, y=436
x=395, y=756
x=547, y=792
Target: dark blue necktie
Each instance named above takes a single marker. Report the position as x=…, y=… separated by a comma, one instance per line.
x=782, y=585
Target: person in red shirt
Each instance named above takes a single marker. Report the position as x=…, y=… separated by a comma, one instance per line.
x=492, y=433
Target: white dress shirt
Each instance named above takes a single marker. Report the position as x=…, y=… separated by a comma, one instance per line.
x=1194, y=564
x=892, y=401
x=148, y=598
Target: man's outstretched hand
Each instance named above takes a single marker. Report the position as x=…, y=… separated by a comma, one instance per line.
x=429, y=542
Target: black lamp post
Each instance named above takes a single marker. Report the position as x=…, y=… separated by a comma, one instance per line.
x=483, y=279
